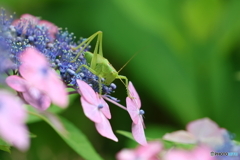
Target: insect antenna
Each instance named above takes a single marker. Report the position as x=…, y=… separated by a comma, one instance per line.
x=132, y=57
x=127, y=62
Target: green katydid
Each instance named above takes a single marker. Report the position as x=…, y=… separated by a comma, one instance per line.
x=99, y=65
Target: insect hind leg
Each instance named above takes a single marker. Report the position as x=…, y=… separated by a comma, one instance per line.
x=85, y=44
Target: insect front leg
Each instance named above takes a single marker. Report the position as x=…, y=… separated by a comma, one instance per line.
x=120, y=77
x=95, y=73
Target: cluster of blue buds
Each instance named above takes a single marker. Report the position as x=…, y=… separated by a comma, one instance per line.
x=55, y=43
x=230, y=147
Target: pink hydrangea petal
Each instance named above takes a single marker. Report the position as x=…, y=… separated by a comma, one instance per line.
x=56, y=90
x=12, y=117
x=180, y=137
x=52, y=28
x=21, y=139
x=26, y=19
x=32, y=70
x=104, y=128
x=132, y=110
x=31, y=56
x=105, y=110
x=202, y=152
x=30, y=18
x=138, y=133
x=178, y=155
x=31, y=75
x=91, y=111
x=126, y=154
x=40, y=101
x=199, y=153
x=14, y=133
x=16, y=110
x=203, y=128
x=149, y=151
x=207, y=132
x=134, y=94
x=87, y=92
x=17, y=83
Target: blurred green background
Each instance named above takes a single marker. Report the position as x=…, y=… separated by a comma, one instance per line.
x=187, y=66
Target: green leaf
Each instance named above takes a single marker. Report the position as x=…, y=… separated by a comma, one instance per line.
x=171, y=144
x=70, y=134
x=126, y=134
x=5, y=146
x=129, y=135
x=236, y=142
x=31, y=135
x=77, y=140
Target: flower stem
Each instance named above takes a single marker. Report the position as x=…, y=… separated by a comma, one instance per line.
x=117, y=104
